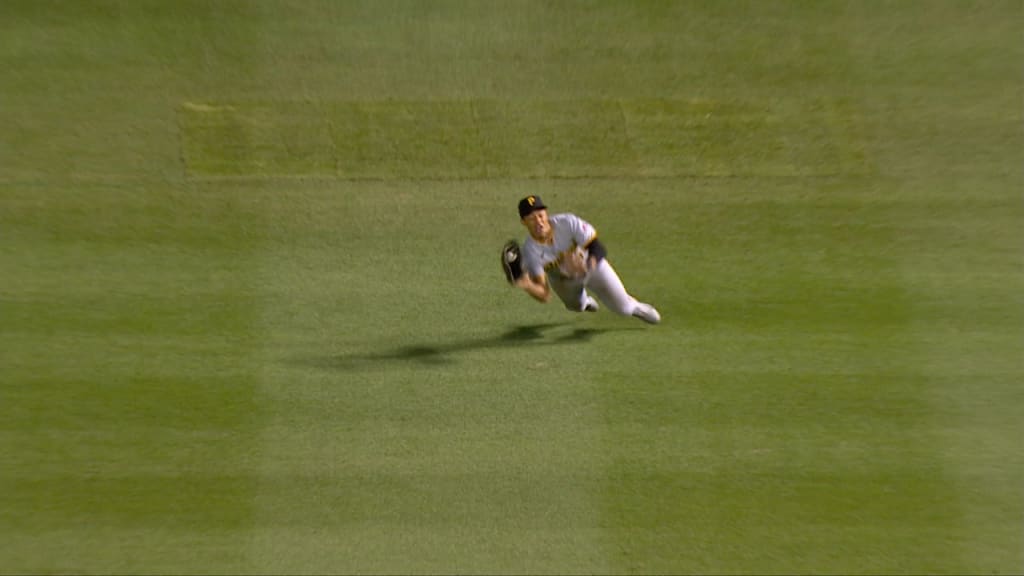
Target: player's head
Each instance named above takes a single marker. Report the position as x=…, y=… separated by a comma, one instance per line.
x=534, y=215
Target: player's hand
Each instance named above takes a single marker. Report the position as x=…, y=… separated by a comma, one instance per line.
x=575, y=265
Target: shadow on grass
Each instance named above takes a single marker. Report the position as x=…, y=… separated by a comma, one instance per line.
x=443, y=353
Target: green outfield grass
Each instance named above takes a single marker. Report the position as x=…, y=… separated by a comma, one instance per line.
x=252, y=318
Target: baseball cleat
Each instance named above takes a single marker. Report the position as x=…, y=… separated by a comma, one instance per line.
x=647, y=313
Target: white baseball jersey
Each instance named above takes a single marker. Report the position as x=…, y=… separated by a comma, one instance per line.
x=569, y=233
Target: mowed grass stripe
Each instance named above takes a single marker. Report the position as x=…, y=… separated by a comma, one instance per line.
x=415, y=421
x=478, y=139
x=963, y=268
x=786, y=426
x=128, y=388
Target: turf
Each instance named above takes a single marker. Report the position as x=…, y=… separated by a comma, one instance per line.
x=252, y=320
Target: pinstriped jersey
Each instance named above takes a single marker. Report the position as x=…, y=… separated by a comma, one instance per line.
x=569, y=233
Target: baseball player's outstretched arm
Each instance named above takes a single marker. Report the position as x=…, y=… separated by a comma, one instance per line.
x=537, y=287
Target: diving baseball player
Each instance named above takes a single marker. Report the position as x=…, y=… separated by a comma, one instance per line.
x=562, y=253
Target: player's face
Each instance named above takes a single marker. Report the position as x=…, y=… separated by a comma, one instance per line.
x=537, y=223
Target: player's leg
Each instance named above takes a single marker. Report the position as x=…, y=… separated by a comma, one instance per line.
x=572, y=293
x=608, y=288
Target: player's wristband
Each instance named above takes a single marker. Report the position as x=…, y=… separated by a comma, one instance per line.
x=597, y=250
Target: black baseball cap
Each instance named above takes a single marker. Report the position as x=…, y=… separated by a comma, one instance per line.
x=529, y=204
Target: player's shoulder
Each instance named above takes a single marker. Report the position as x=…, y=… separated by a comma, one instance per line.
x=570, y=222
x=564, y=217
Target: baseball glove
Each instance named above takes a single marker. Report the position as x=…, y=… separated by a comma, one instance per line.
x=511, y=261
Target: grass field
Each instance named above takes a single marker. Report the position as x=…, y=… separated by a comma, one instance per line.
x=252, y=318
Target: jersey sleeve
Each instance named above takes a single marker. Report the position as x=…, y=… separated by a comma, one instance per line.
x=582, y=232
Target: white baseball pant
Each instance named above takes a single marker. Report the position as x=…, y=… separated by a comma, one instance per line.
x=602, y=281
